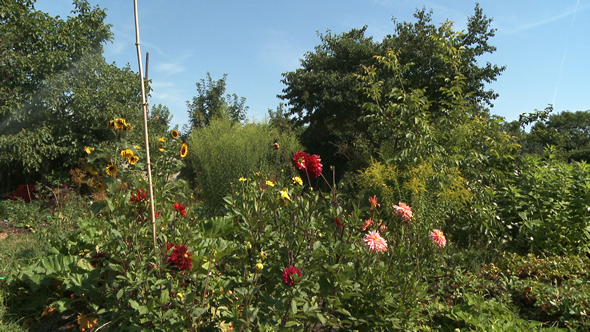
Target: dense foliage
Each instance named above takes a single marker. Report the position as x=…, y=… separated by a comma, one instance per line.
x=446, y=223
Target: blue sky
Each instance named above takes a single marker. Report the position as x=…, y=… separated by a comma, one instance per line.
x=545, y=44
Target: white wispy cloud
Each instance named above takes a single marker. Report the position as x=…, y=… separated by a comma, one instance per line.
x=570, y=12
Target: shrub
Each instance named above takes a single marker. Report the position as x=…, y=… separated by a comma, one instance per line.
x=225, y=151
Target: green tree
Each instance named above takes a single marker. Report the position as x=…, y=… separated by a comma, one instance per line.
x=210, y=103
x=325, y=93
x=56, y=92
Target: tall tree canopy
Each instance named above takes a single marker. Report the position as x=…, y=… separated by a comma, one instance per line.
x=56, y=90
x=325, y=94
x=210, y=103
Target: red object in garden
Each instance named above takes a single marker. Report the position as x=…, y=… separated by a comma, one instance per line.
x=310, y=163
x=288, y=272
x=180, y=208
x=139, y=196
x=25, y=191
x=180, y=257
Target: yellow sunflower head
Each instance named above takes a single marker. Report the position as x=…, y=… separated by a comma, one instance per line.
x=133, y=160
x=174, y=134
x=160, y=148
x=120, y=124
x=183, y=150
x=126, y=153
x=161, y=139
x=111, y=124
x=88, y=149
x=112, y=169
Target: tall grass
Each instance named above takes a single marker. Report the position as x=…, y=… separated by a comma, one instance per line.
x=225, y=151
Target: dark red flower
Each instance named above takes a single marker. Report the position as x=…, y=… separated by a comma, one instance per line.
x=288, y=272
x=181, y=258
x=180, y=208
x=299, y=160
x=313, y=167
x=97, y=259
x=338, y=223
x=139, y=196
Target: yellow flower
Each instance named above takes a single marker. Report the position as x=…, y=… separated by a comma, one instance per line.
x=160, y=148
x=270, y=183
x=137, y=147
x=174, y=134
x=297, y=180
x=126, y=153
x=120, y=123
x=180, y=295
x=133, y=160
x=88, y=149
x=111, y=124
x=161, y=139
x=263, y=254
x=183, y=150
x=285, y=195
x=242, y=179
x=259, y=266
x=112, y=170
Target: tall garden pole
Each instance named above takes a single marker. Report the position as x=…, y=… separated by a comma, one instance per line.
x=145, y=126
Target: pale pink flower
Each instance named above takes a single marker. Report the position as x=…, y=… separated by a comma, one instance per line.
x=403, y=211
x=367, y=224
x=383, y=227
x=438, y=238
x=374, y=242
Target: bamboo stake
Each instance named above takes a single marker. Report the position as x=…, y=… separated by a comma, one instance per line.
x=145, y=125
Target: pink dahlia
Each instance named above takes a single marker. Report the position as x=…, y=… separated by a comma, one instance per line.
x=299, y=160
x=181, y=258
x=403, y=211
x=288, y=272
x=367, y=224
x=438, y=238
x=374, y=242
x=373, y=201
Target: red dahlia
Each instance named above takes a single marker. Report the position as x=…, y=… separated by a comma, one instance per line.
x=288, y=272
x=299, y=160
x=139, y=196
x=313, y=167
x=180, y=208
x=180, y=257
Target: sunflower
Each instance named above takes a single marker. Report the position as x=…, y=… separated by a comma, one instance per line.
x=126, y=153
x=161, y=139
x=99, y=186
x=112, y=169
x=133, y=160
x=160, y=148
x=111, y=124
x=88, y=149
x=174, y=134
x=183, y=150
x=120, y=123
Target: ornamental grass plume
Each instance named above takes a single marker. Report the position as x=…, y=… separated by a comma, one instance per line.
x=374, y=242
x=438, y=238
x=288, y=273
x=403, y=211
